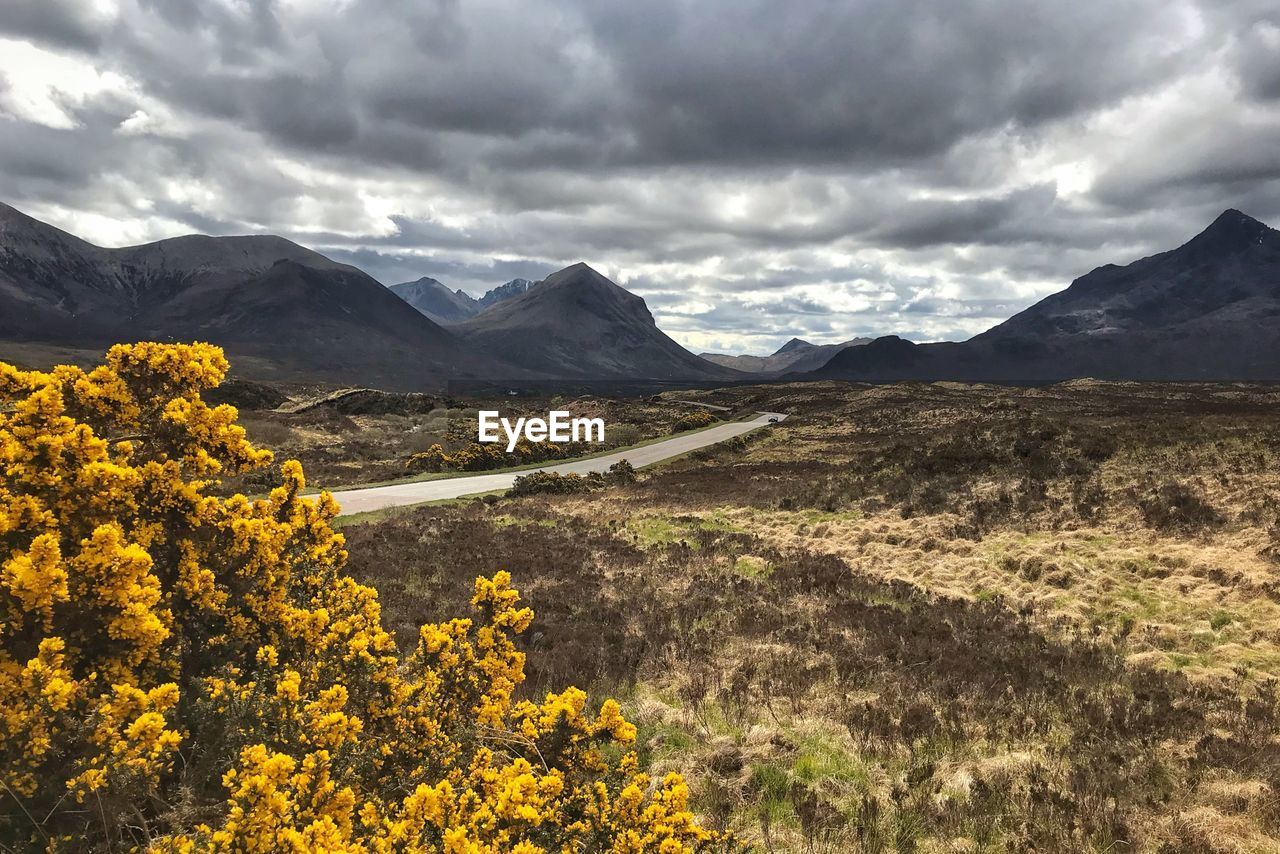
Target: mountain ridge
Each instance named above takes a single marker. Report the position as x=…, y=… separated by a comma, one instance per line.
x=796, y=355
x=1208, y=309
x=446, y=307
x=279, y=309
x=577, y=322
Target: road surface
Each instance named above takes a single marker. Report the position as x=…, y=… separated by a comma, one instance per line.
x=400, y=494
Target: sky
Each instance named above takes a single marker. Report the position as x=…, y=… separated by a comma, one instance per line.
x=755, y=170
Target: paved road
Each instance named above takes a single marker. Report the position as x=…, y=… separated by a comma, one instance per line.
x=400, y=494
x=703, y=405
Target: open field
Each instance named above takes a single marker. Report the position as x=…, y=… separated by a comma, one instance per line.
x=918, y=617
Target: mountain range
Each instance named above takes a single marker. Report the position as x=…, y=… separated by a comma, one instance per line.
x=448, y=307
x=284, y=312
x=1208, y=310
x=796, y=355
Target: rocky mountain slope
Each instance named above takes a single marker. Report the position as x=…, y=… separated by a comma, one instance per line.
x=281, y=311
x=436, y=301
x=448, y=307
x=577, y=323
x=1208, y=310
x=512, y=289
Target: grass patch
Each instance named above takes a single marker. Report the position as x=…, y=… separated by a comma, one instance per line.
x=750, y=566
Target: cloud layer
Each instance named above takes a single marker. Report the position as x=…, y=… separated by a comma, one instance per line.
x=754, y=170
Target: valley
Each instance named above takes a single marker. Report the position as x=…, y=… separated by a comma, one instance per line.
x=923, y=612
x=639, y=428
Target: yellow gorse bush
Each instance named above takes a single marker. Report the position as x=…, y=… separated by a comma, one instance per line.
x=182, y=671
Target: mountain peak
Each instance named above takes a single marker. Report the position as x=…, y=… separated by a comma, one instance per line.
x=1231, y=232
x=510, y=290
x=575, y=272
x=1232, y=218
x=577, y=276
x=793, y=344
x=578, y=323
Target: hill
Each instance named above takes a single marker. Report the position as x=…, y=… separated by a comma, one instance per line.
x=577, y=323
x=796, y=355
x=1207, y=310
x=282, y=311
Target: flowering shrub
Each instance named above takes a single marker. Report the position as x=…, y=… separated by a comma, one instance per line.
x=180, y=671
x=692, y=421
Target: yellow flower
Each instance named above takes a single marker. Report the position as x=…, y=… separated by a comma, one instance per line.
x=152, y=631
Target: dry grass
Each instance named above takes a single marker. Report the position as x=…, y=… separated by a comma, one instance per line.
x=920, y=618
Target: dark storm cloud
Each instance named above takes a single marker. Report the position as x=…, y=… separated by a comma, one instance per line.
x=65, y=23
x=608, y=84
x=891, y=79
x=757, y=170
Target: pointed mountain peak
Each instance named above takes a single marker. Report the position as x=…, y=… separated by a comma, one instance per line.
x=575, y=270
x=1233, y=219
x=576, y=276
x=793, y=344
x=1231, y=232
x=577, y=290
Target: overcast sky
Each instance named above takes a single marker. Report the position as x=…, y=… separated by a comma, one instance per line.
x=755, y=169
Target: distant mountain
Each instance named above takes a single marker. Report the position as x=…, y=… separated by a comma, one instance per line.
x=793, y=345
x=436, y=301
x=448, y=307
x=796, y=355
x=577, y=323
x=55, y=284
x=513, y=288
x=339, y=325
x=1208, y=310
x=280, y=310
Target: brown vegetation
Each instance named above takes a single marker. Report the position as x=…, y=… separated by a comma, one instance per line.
x=921, y=618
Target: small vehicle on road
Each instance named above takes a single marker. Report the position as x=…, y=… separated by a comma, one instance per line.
x=773, y=420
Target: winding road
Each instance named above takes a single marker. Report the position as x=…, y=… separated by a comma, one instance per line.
x=401, y=494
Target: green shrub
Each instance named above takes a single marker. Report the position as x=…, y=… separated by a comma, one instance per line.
x=554, y=483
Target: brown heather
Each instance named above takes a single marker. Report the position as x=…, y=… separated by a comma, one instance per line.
x=920, y=618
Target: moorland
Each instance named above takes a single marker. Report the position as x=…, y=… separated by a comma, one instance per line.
x=933, y=617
